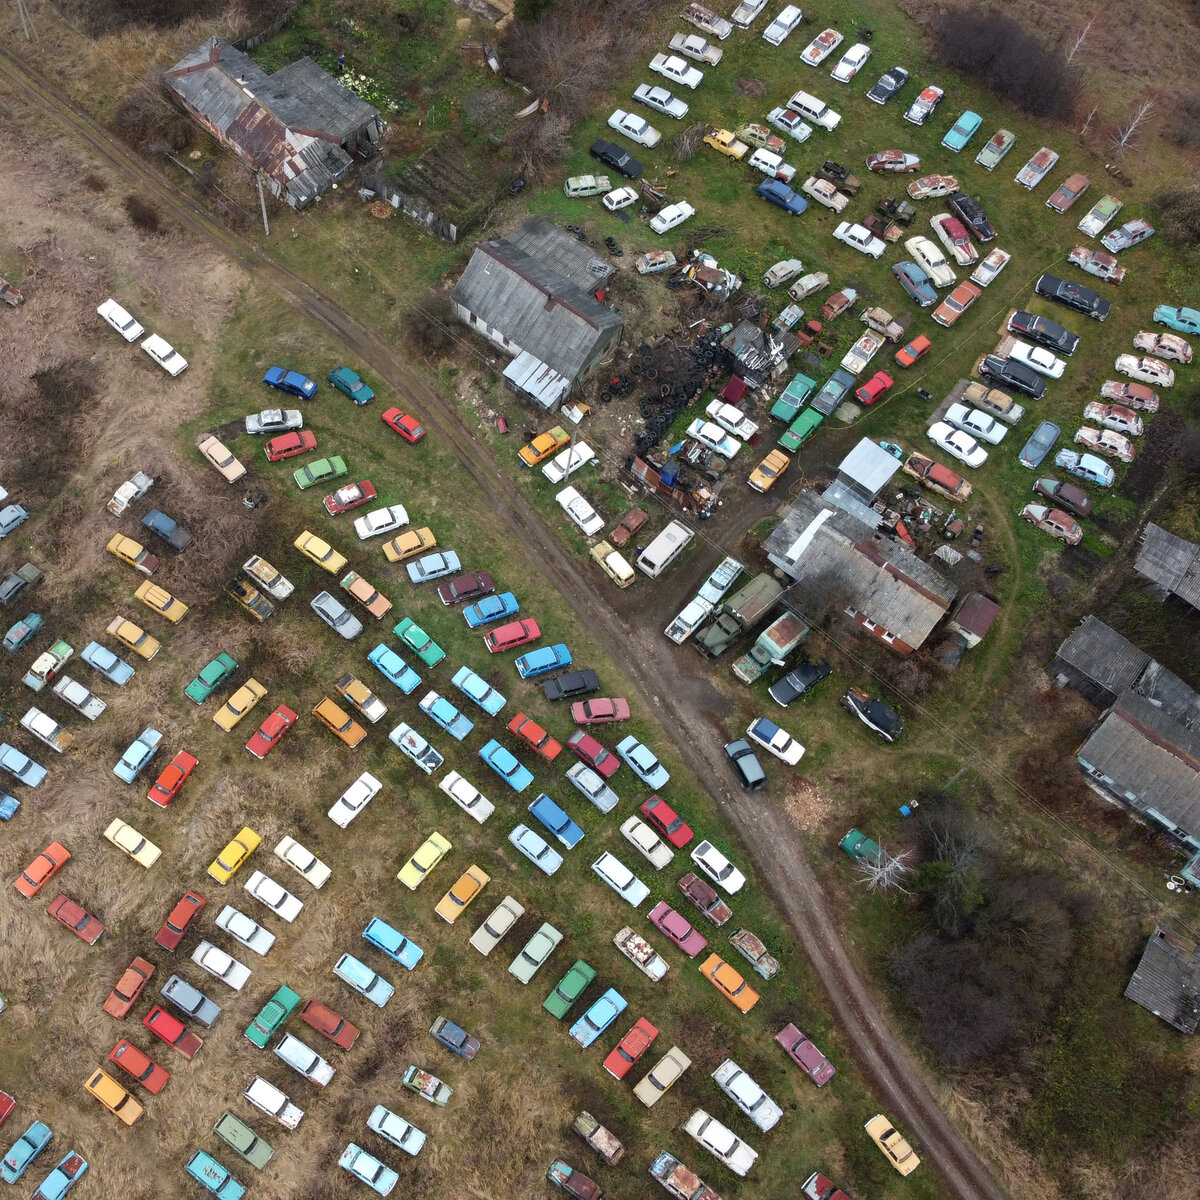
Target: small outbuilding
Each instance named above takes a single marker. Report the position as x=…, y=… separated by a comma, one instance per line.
x=1170, y=562
x=1167, y=980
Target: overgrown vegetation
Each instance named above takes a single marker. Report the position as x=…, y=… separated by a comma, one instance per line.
x=1178, y=208
x=101, y=17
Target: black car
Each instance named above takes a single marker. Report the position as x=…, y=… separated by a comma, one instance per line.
x=795, y=683
x=1073, y=295
x=745, y=762
x=618, y=159
x=874, y=714
x=1043, y=331
x=1008, y=373
x=573, y=683
x=889, y=84
x=971, y=211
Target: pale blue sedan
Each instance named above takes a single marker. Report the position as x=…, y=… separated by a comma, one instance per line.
x=20, y=766
x=476, y=688
x=962, y=131
x=115, y=670
x=506, y=765
x=393, y=943
x=536, y=849
x=599, y=1017
x=394, y=668
x=491, y=608
x=643, y=762
x=134, y=760
x=438, y=709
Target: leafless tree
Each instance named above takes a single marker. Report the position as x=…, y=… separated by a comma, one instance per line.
x=883, y=874
x=688, y=142
x=1077, y=44
x=1087, y=124
x=1129, y=132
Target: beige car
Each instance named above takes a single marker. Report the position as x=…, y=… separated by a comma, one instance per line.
x=161, y=601
x=239, y=704
x=894, y=1146
x=125, y=837
x=665, y=1072
x=367, y=595
x=135, y=637
x=221, y=457
x=501, y=919
x=113, y=1096
x=303, y=861
x=321, y=552
x=409, y=543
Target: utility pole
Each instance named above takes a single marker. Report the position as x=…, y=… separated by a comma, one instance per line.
x=262, y=200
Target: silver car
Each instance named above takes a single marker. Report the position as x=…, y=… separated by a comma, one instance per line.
x=190, y=1001
x=274, y=420
x=590, y=783
x=336, y=615
x=660, y=99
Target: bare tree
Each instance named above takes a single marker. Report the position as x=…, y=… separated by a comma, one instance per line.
x=1129, y=131
x=1077, y=45
x=883, y=873
x=1087, y=124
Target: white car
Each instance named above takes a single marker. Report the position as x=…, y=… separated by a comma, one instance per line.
x=395, y=1129
x=858, y=237
x=671, y=216
x=720, y=1142
x=929, y=255
x=1039, y=358
x=675, y=69
x=730, y=417
x=467, y=796
x=354, y=799
x=278, y=899
x=165, y=355
x=566, y=462
x=660, y=98
x=1145, y=369
x=620, y=198
x=789, y=122
x=777, y=275
x=500, y=920
x=243, y=929
x=580, y=511
x=991, y=266
x=778, y=30
x=120, y=320
x=747, y=1095
x=851, y=62
x=718, y=868
x=713, y=438
x=647, y=843
x=826, y=193
x=304, y=1060
x=953, y=235
x=693, y=46
x=815, y=110
x=821, y=47
x=303, y=861
x=977, y=423
x=636, y=129
x=620, y=878
x=381, y=520
x=274, y=420
x=223, y=966
x=772, y=166
x=957, y=444
x=776, y=741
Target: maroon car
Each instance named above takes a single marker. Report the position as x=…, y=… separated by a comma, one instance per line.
x=175, y=926
x=172, y=1031
x=288, y=445
x=599, y=712
x=588, y=750
x=805, y=1055
x=821, y=1187
x=667, y=821
x=324, y=1020
x=462, y=588
x=353, y=495
x=266, y=738
x=678, y=928
x=705, y=899
x=76, y=918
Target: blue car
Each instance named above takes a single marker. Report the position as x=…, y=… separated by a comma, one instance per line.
x=962, y=131
x=543, y=659
x=1040, y=444
x=20, y=766
x=506, y=765
x=8, y=808
x=491, y=608
x=28, y=1146
x=363, y=980
x=915, y=282
x=394, y=668
x=439, y=709
x=393, y=943
x=115, y=670
x=11, y=518
x=140, y=752
x=22, y=632
x=291, y=381
x=63, y=1178
x=599, y=1017
x=209, y=1173
x=776, y=192
x=643, y=762
x=536, y=849
x=556, y=821
x=1186, y=320
x=476, y=688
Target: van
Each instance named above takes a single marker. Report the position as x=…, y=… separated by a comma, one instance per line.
x=340, y=722
x=664, y=549
x=814, y=110
x=612, y=564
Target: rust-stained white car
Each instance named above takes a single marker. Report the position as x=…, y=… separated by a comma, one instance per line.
x=1114, y=416
x=1107, y=441
x=932, y=187
x=1169, y=346
x=1145, y=370
x=1055, y=522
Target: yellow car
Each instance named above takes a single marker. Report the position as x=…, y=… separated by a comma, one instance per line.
x=431, y=852
x=135, y=637
x=763, y=477
x=337, y=719
x=133, y=553
x=239, y=704
x=895, y=1148
x=125, y=837
x=113, y=1096
x=544, y=445
x=226, y=864
x=450, y=907
x=408, y=543
x=161, y=601
x=321, y=552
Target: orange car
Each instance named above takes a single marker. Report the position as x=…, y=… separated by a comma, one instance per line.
x=472, y=881
x=129, y=987
x=729, y=983
x=528, y=730
x=143, y=1068
x=917, y=348
x=339, y=722
x=39, y=872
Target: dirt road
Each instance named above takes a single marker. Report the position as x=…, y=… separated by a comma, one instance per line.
x=663, y=673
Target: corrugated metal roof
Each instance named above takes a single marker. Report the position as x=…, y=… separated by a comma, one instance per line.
x=1171, y=562
x=976, y=613
x=339, y=111
x=1103, y=655
x=840, y=495
x=1167, y=980
x=869, y=467
x=557, y=249
x=542, y=384
x=1177, y=698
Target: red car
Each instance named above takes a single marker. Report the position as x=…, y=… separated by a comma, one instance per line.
x=288, y=445
x=678, y=928
x=172, y=1031
x=409, y=428
x=528, y=730
x=878, y=385
x=916, y=349
x=129, y=987
x=588, y=750
x=133, y=1062
x=324, y=1020
x=76, y=918
x=353, y=495
x=515, y=633
x=38, y=873
x=271, y=730
x=821, y=1187
x=805, y=1055
x=630, y=1048
x=175, y=926
x=599, y=712
x=668, y=822
x=7, y=1104
x=466, y=587
x=175, y=774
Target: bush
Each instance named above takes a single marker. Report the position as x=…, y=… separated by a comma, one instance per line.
x=1183, y=126
x=142, y=216
x=1179, y=215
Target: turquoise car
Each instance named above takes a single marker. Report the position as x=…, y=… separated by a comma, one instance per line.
x=491, y=608
x=962, y=131
x=599, y=1017
x=1186, y=320
x=394, y=668
x=320, y=471
x=506, y=765
x=419, y=642
x=63, y=1178
x=439, y=710
x=476, y=688
x=379, y=1177
x=543, y=659
x=791, y=399
x=22, y=632
x=349, y=384
x=209, y=1173
x=26, y=1148
x=272, y=1016
x=211, y=678
x=393, y=943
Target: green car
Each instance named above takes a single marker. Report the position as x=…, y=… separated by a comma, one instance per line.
x=419, y=642
x=347, y=382
x=568, y=989
x=273, y=1014
x=210, y=678
x=319, y=471
x=244, y=1141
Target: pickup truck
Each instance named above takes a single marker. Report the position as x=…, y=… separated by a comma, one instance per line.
x=78, y=697
x=46, y=729
x=267, y=578
x=47, y=665
x=249, y=597
x=840, y=177
x=574, y=1183
x=168, y=529
x=724, y=142
x=132, y=489
x=751, y=948
x=705, y=899
x=600, y=1139
x=861, y=353
x=991, y=400
x=15, y=582
x=937, y=478
x=640, y=953
x=266, y=1096
x=690, y=618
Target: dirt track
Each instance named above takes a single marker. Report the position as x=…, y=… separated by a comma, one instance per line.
x=662, y=673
